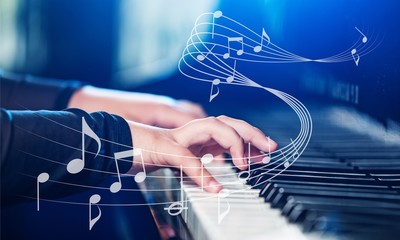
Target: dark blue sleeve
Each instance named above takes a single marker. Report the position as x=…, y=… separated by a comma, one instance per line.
x=33, y=142
x=21, y=92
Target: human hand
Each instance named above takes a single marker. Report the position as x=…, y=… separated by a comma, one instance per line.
x=185, y=146
x=145, y=108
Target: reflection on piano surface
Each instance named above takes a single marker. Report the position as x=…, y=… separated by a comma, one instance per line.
x=346, y=185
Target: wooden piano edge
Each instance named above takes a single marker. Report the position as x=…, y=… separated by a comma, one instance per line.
x=169, y=227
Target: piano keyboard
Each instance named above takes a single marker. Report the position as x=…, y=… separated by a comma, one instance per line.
x=345, y=185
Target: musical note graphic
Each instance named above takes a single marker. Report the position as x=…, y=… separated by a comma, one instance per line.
x=116, y=186
x=296, y=153
x=234, y=39
x=263, y=35
x=287, y=163
x=215, y=83
x=176, y=208
x=231, y=78
x=364, y=39
x=217, y=14
x=42, y=178
x=76, y=165
x=201, y=57
x=266, y=159
x=93, y=200
x=246, y=173
x=222, y=195
x=205, y=159
x=354, y=54
x=140, y=176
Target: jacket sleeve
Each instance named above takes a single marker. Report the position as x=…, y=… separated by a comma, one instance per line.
x=20, y=92
x=35, y=142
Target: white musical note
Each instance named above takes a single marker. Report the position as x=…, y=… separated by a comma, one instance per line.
x=264, y=35
x=231, y=78
x=222, y=195
x=76, y=165
x=42, y=178
x=234, y=39
x=140, y=176
x=354, y=54
x=217, y=14
x=201, y=57
x=205, y=159
x=94, y=199
x=176, y=208
x=364, y=39
x=246, y=172
x=215, y=83
x=266, y=159
x=287, y=163
x=296, y=153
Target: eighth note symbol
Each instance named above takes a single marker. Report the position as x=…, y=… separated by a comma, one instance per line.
x=264, y=35
x=94, y=199
x=215, y=83
x=76, y=165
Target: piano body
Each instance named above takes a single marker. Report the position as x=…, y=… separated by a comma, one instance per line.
x=345, y=185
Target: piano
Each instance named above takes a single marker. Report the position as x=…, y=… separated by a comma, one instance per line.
x=345, y=185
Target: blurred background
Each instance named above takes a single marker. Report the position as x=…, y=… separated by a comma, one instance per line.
x=135, y=46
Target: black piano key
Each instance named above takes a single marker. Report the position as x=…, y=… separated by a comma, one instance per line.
x=280, y=198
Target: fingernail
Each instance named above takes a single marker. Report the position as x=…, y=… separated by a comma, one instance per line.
x=272, y=142
x=214, y=186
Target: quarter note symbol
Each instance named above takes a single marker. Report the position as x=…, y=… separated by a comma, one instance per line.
x=94, y=200
x=140, y=176
x=76, y=165
x=244, y=175
x=266, y=159
x=201, y=57
x=42, y=178
x=296, y=152
x=364, y=39
x=287, y=163
x=238, y=52
x=217, y=14
x=231, y=78
x=176, y=208
x=224, y=193
x=264, y=35
x=215, y=83
x=206, y=159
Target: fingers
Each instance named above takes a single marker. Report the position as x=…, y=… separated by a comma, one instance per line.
x=178, y=115
x=194, y=169
x=250, y=134
x=211, y=129
x=228, y=134
x=193, y=108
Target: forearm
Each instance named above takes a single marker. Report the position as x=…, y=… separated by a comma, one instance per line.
x=42, y=141
x=21, y=92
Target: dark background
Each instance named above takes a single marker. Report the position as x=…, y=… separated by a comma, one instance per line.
x=79, y=40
